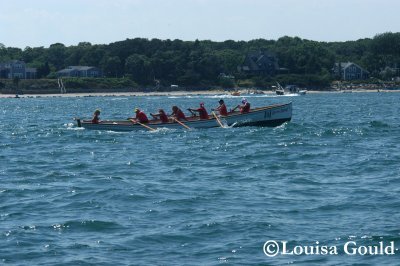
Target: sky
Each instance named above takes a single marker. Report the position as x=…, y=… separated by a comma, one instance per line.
x=37, y=23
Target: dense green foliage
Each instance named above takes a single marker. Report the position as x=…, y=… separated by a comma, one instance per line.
x=199, y=63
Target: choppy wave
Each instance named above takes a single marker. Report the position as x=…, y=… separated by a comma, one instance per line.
x=230, y=96
x=203, y=197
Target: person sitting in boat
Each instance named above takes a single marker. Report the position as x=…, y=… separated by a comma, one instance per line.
x=244, y=108
x=202, y=111
x=96, y=118
x=177, y=113
x=221, y=108
x=161, y=115
x=140, y=116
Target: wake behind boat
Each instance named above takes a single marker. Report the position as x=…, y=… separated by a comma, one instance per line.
x=271, y=116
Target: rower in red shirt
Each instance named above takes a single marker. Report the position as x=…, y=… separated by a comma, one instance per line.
x=245, y=108
x=202, y=111
x=222, y=108
x=96, y=118
x=161, y=115
x=140, y=116
x=177, y=113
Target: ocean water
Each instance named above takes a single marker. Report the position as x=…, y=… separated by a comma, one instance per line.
x=70, y=196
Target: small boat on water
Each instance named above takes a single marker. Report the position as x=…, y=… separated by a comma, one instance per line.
x=294, y=89
x=235, y=93
x=280, y=90
x=273, y=115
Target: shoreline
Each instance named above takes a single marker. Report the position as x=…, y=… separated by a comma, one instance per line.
x=172, y=93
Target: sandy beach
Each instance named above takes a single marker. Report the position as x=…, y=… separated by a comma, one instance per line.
x=117, y=94
x=170, y=93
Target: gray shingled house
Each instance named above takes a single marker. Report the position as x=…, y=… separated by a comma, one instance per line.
x=16, y=69
x=260, y=63
x=349, y=71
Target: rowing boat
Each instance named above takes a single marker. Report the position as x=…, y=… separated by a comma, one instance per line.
x=271, y=116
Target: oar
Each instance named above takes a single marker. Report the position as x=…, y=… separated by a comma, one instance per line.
x=78, y=121
x=143, y=125
x=233, y=110
x=190, y=110
x=216, y=117
x=182, y=124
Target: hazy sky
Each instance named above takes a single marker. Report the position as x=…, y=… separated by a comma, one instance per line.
x=43, y=22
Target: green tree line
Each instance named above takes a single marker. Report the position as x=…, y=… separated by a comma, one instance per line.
x=199, y=63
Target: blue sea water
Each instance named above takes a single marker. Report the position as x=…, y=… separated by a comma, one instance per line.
x=70, y=196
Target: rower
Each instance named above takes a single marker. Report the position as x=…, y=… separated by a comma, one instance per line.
x=221, y=108
x=177, y=113
x=244, y=108
x=161, y=115
x=202, y=111
x=96, y=118
x=140, y=116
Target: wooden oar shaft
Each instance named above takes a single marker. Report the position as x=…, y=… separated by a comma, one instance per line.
x=182, y=124
x=190, y=110
x=216, y=117
x=233, y=110
x=143, y=125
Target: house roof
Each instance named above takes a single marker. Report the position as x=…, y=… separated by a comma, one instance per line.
x=16, y=61
x=260, y=60
x=345, y=65
x=67, y=70
x=70, y=69
x=81, y=68
x=259, y=53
